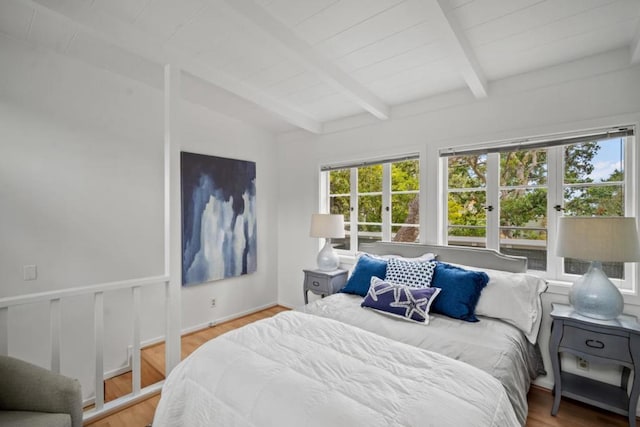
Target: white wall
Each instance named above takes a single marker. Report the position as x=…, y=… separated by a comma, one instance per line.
x=207, y=133
x=597, y=91
x=81, y=196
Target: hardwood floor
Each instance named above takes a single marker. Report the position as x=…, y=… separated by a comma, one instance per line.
x=153, y=368
x=571, y=414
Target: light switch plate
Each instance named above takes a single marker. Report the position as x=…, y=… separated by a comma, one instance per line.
x=30, y=272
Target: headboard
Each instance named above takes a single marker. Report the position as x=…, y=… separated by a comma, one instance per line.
x=474, y=257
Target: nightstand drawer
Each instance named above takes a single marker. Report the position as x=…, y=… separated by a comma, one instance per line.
x=597, y=344
x=323, y=282
x=318, y=283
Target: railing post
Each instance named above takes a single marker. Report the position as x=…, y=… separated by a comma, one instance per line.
x=54, y=312
x=4, y=331
x=98, y=307
x=168, y=344
x=136, y=373
x=172, y=248
x=54, y=300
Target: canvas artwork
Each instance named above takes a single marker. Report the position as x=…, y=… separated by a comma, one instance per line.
x=218, y=218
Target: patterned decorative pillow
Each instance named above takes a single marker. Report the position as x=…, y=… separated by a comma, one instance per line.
x=400, y=301
x=417, y=274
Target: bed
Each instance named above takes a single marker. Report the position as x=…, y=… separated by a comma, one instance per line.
x=493, y=344
x=334, y=362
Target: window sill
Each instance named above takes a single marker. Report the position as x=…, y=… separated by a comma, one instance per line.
x=562, y=288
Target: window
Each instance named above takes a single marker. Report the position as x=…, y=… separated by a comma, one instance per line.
x=509, y=197
x=467, y=200
x=594, y=187
x=379, y=200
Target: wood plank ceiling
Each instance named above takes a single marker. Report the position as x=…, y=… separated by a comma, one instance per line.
x=286, y=64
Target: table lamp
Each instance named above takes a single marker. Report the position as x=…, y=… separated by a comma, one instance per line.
x=327, y=226
x=597, y=239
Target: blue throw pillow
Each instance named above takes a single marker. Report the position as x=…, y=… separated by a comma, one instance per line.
x=400, y=301
x=460, y=291
x=360, y=279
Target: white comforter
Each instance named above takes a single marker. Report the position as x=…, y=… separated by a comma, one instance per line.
x=297, y=369
x=491, y=345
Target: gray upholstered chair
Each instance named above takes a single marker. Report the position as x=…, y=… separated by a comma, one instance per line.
x=31, y=396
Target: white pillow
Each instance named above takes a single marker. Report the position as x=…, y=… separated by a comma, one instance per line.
x=514, y=298
x=424, y=257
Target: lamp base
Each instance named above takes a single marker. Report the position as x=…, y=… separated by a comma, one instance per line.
x=328, y=258
x=594, y=295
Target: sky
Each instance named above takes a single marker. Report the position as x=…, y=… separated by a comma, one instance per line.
x=608, y=159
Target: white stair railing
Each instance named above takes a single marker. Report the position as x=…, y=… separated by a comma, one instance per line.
x=101, y=408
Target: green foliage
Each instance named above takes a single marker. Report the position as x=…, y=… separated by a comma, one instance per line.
x=523, y=194
x=466, y=208
x=577, y=161
x=467, y=171
x=590, y=200
x=524, y=205
x=340, y=181
x=605, y=200
x=523, y=168
x=405, y=176
x=370, y=179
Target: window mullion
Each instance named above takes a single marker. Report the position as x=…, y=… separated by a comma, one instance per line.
x=353, y=215
x=443, y=211
x=386, y=202
x=555, y=196
x=631, y=273
x=325, y=189
x=493, y=200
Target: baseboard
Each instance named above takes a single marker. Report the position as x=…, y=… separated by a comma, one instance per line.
x=234, y=316
x=543, y=383
x=118, y=371
x=157, y=340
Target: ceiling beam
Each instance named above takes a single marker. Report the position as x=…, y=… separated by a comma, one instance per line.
x=463, y=53
x=130, y=38
x=302, y=52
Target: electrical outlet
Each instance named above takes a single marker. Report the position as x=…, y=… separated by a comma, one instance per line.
x=213, y=302
x=582, y=364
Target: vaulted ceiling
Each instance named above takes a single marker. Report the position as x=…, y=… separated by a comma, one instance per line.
x=287, y=64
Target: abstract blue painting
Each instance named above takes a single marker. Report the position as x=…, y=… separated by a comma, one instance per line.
x=218, y=218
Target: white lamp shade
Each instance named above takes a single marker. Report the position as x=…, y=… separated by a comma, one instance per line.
x=327, y=225
x=598, y=238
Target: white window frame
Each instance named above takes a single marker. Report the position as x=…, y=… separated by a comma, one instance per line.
x=555, y=196
x=386, y=193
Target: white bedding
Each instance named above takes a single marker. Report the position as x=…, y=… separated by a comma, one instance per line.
x=296, y=369
x=491, y=345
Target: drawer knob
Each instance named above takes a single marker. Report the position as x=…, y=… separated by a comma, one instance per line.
x=594, y=344
x=315, y=283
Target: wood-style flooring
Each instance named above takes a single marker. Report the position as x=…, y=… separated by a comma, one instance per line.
x=571, y=414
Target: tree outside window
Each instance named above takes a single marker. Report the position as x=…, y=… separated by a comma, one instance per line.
x=378, y=201
x=525, y=191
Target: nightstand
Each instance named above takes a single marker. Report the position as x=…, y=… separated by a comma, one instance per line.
x=603, y=341
x=323, y=282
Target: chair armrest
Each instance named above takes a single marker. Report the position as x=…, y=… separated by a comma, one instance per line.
x=27, y=387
